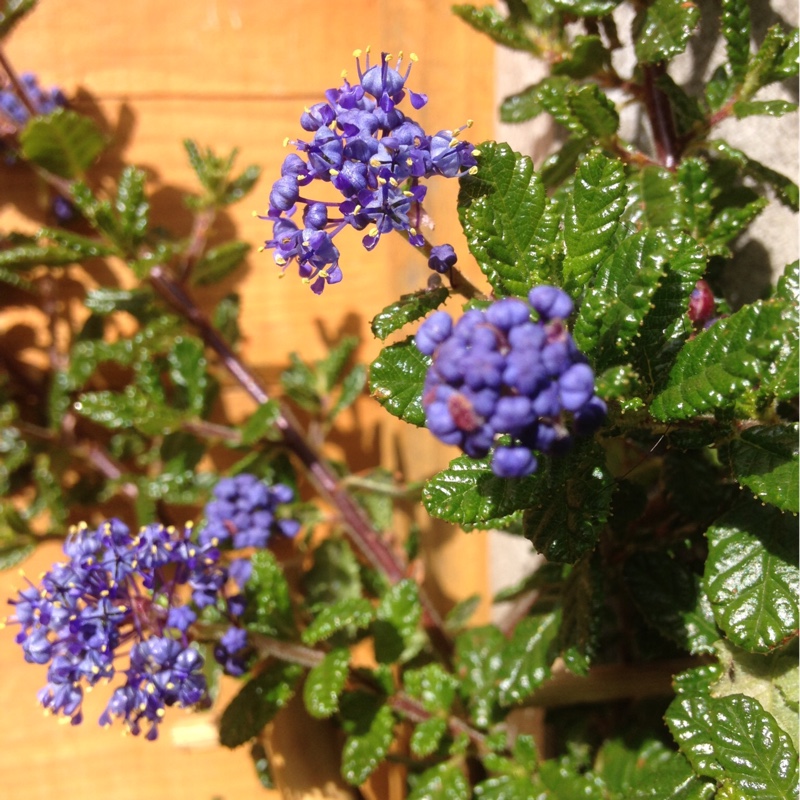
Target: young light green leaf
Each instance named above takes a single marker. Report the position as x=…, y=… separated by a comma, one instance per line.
x=258, y=701
x=765, y=459
x=719, y=364
x=501, y=209
x=468, y=492
x=766, y=108
x=733, y=738
x=408, y=308
x=662, y=29
x=752, y=577
x=672, y=599
x=369, y=725
x=64, y=143
x=593, y=211
x=443, y=782
x=325, y=682
x=396, y=378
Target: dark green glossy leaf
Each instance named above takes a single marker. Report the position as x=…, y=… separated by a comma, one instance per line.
x=587, y=57
x=258, y=701
x=107, y=300
x=662, y=29
x=582, y=612
x=550, y=95
x=468, y=492
x=427, y=736
x=25, y=256
x=587, y=8
x=776, y=60
x=396, y=378
x=408, y=308
x=339, y=615
x=735, y=27
x=325, y=682
x=765, y=459
x=719, y=364
x=569, y=506
x=752, y=577
x=598, y=200
x=527, y=658
x=131, y=408
x=733, y=738
x=488, y=21
x=655, y=199
x=64, y=143
x=334, y=575
x=442, y=782
x=369, y=725
x=672, y=599
x=219, y=262
x=614, y=309
x=501, y=210
x=187, y=371
x=132, y=207
x=432, y=686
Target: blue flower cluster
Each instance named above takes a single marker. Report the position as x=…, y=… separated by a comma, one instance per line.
x=44, y=101
x=375, y=157
x=118, y=593
x=501, y=380
x=244, y=514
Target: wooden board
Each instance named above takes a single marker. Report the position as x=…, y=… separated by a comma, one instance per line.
x=231, y=73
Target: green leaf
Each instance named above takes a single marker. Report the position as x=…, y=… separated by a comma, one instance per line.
x=588, y=56
x=672, y=599
x=432, y=686
x=11, y=12
x=587, y=8
x=258, y=701
x=501, y=211
x=768, y=108
x=785, y=189
x=240, y=186
x=468, y=492
x=132, y=207
x=733, y=738
x=64, y=143
x=442, y=782
x=219, y=262
x=720, y=363
x=24, y=256
x=351, y=388
x=369, y=725
x=342, y=614
x=764, y=678
x=527, y=658
x=396, y=628
x=187, y=370
x=301, y=383
x=569, y=505
x=396, y=378
x=477, y=664
x=752, y=577
x=269, y=606
x=262, y=424
x=735, y=27
x=594, y=110
x=226, y=318
x=325, y=682
x=488, y=21
x=764, y=458
x=582, y=613
x=106, y=300
x=590, y=223
x=334, y=575
x=776, y=60
x=655, y=199
x=614, y=309
x=661, y=29
x=132, y=408
x=408, y=308
x=332, y=366
x=427, y=736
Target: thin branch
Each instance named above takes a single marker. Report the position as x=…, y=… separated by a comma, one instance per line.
x=662, y=122
x=19, y=88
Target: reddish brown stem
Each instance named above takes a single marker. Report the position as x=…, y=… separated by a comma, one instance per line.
x=662, y=122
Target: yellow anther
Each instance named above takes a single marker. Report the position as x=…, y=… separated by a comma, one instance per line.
x=286, y=142
x=281, y=261
x=357, y=53
x=472, y=171
x=413, y=57
x=343, y=74
x=373, y=231
x=476, y=152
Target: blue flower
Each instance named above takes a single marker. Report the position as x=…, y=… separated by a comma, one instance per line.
x=502, y=382
x=121, y=593
x=376, y=158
